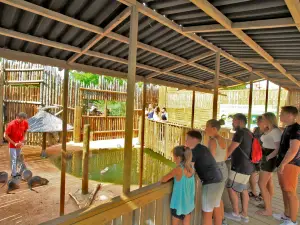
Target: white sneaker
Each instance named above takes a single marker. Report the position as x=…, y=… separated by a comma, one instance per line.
x=245, y=219
x=288, y=222
x=233, y=216
x=280, y=216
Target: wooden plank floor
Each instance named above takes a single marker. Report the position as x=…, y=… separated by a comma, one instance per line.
x=277, y=206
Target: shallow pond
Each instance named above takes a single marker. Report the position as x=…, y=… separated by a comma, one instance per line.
x=106, y=165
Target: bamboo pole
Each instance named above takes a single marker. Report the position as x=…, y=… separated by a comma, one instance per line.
x=216, y=85
x=143, y=134
x=130, y=99
x=77, y=124
x=44, y=145
x=193, y=109
x=1, y=103
x=267, y=97
x=250, y=103
x=64, y=143
x=278, y=102
x=85, y=159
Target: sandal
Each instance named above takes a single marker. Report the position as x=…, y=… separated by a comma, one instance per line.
x=251, y=195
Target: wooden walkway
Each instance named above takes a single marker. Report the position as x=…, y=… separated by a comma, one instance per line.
x=277, y=208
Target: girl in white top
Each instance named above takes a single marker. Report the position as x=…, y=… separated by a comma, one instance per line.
x=270, y=143
x=156, y=116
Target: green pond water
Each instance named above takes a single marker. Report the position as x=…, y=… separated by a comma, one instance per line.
x=107, y=166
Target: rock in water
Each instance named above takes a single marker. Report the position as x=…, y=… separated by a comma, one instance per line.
x=3, y=177
x=37, y=181
x=26, y=175
x=13, y=184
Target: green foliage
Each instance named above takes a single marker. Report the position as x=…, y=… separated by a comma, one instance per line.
x=240, y=87
x=86, y=78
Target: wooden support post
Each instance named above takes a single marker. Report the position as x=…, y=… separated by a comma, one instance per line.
x=44, y=145
x=267, y=97
x=278, y=102
x=130, y=99
x=85, y=159
x=250, y=103
x=1, y=103
x=77, y=124
x=64, y=143
x=193, y=109
x=216, y=86
x=142, y=143
x=105, y=113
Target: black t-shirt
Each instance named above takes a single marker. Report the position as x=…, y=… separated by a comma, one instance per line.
x=241, y=156
x=291, y=132
x=206, y=166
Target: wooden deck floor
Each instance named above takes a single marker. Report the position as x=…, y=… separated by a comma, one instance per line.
x=277, y=208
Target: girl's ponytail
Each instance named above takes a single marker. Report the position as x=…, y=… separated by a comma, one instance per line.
x=187, y=159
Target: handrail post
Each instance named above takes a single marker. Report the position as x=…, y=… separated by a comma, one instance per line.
x=130, y=99
x=267, y=97
x=193, y=109
x=85, y=159
x=77, y=124
x=64, y=143
x=142, y=133
x=216, y=84
x=250, y=103
x=278, y=102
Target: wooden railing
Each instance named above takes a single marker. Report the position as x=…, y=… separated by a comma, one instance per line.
x=148, y=205
x=162, y=137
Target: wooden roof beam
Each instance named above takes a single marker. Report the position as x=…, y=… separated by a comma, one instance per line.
x=114, y=23
x=280, y=61
x=167, y=22
x=213, y=12
x=248, y=25
x=294, y=8
x=231, y=75
x=86, y=26
x=270, y=71
x=27, y=57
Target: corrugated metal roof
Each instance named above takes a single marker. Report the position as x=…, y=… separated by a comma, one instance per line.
x=176, y=47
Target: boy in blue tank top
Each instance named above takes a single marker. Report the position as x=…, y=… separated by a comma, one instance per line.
x=183, y=195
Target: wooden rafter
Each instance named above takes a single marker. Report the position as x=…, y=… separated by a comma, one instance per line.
x=83, y=25
x=280, y=61
x=294, y=8
x=21, y=56
x=213, y=12
x=257, y=24
x=27, y=6
x=276, y=71
x=231, y=75
x=165, y=21
x=115, y=22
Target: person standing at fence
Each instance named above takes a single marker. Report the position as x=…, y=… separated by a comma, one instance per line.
x=271, y=140
x=241, y=168
x=150, y=112
x=164, y=114
x=288, y=163
x=257, y=133
x=183, y=194
x=15, y=134
x=218, y=147
x=156, y=116
x=210, y=175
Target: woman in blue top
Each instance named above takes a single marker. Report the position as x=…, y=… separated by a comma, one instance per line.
x=183, y=195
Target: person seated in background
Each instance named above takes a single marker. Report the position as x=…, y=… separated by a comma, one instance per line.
x=210, y=176
x=164, y=114
x=156, y=114
x=257, y=133
x=183, y=194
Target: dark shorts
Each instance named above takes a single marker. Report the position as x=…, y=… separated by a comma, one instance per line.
x=174, y=213
x=268, y=166
x=257, y=167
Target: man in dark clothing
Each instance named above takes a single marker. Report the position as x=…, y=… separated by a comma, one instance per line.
x=241, y=168
x=210, y=175
x=288, y=163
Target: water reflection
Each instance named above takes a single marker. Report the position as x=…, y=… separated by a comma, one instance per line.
x=107, y=166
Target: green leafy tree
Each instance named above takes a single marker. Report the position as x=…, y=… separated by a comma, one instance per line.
x=86, y=78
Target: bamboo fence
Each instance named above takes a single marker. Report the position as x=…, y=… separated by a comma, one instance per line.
x=29, y=86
